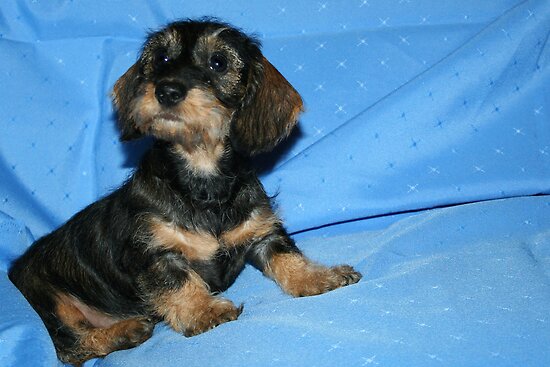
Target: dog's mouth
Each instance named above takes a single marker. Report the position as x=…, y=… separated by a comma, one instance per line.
x=168, y=116
x=197, y=119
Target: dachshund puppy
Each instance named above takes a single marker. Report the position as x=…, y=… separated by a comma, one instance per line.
x=179, y=231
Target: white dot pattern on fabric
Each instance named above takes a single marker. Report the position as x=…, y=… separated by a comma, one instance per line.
x=410, y=105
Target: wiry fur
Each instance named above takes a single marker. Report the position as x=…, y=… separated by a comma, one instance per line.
x=182, y=227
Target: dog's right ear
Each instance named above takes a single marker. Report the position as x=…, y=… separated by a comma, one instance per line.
x=124, y=93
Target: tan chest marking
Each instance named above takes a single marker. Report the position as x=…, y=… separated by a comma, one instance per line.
x=200, y=245
x=194, y=245
x=200, y=160
x=260, y=223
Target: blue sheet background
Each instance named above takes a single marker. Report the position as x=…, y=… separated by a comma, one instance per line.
x=411, y=105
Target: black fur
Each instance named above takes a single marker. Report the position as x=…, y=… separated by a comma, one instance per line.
x=103, y=256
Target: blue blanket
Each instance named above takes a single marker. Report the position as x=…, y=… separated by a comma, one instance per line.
x=423, y=160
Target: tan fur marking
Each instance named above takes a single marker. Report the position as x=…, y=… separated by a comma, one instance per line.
x=298, y=276
x=146, y=107
x=118, y=88
x=276, y=104
x=98, y=334
x=202, y=161
x=193, y=245
x=73, y=312
x=231, y=83
x=102, y=341
x=288, y=100
x=68, y=313
x=173, y=42
x=192, y=310
x=260, y=223
x=198, y=125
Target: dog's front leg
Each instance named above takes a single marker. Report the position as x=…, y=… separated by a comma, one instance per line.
x=277, y=257
x=180, y=297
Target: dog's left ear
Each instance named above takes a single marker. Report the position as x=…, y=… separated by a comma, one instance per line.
x=270, y=110
x=123, y=95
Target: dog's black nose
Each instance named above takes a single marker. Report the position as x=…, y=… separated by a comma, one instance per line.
x=170, y=93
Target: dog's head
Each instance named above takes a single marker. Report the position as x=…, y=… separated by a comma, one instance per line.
x=200, y=83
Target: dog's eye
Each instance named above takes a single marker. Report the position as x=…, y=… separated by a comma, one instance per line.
x=218, y=63
x=161, y=58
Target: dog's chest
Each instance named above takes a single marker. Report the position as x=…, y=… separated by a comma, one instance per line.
x=203, y=243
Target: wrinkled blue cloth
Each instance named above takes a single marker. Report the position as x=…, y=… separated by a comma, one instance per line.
x=414, y=109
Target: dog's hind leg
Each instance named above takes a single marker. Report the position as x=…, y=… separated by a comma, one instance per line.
x=94, y=335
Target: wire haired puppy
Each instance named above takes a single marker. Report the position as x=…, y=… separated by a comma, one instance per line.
x=181, y=229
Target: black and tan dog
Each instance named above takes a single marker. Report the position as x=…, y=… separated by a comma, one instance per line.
x=180, y=230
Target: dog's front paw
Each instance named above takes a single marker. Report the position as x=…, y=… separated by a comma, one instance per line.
x=300, y=277
x=322, y=280
x=217, y=312
x=342, y=275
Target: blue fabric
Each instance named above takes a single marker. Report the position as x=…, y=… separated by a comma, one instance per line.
x=24, y=340
x=411, y=105
x=462, y=286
